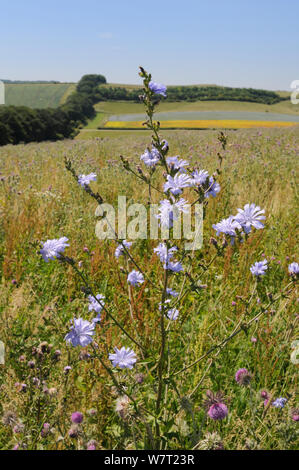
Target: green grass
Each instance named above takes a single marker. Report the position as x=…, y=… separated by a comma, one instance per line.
x=122, y=107
x=40, y=197
x=99, y=120
x=49, y=95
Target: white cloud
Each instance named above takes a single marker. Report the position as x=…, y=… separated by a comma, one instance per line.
x=106, y=35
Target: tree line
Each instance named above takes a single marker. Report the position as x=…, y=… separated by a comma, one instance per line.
x=23, y=124
x=194, y=93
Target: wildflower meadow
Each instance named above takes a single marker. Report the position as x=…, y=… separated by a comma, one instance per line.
x=149, y=342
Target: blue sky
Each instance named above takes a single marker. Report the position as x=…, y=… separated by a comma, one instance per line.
x=226, y=42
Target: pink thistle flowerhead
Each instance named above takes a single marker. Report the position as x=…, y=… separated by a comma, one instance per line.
x=218, y=411
x=264, y=394
x=77, y=417
x=18, y=428
x=92, y=445
x=243, y=377
x=23, y=388
x=295, y=414
x=45, y=430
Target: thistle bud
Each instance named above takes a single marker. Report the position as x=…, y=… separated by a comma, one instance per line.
x=224, y=243
x=57, y=354
x=243, y=377
x=43, y=348
x=73, y=431
x=214, y=242
x=122, y=406
x=139, y=378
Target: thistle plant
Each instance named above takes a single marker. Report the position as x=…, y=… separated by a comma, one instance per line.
x=150, y=391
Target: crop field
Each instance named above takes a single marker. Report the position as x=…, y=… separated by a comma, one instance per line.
x=228, y=321
x=201, y=124
x=38, y=95
x=110, y=113
x=209, y=115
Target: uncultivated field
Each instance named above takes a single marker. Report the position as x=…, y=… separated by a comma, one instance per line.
x=40, y=201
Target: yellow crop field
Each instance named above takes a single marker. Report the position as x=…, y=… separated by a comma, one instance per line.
x=201, y=124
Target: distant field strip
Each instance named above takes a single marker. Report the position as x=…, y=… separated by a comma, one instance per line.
x=205, y=120
x=201, y=124
x=209, y=116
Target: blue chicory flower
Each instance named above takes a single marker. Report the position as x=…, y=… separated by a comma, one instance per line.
x=259, y=268
x=81, y=332
x=86, y=179
x=52, y=248
x=157, y=88
x=124, y=358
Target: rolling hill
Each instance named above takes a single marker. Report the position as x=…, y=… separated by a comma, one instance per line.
x=52, y=94
x=37, y=95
